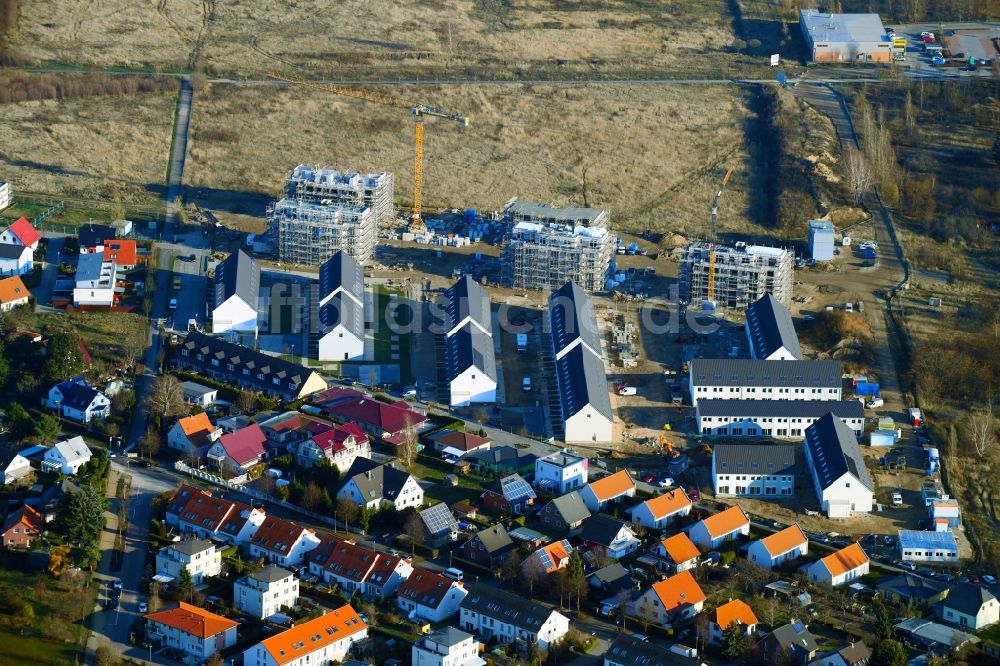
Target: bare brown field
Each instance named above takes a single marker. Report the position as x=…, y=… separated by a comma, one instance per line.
x=379, y=38
x=650, y=153
x=80, y=148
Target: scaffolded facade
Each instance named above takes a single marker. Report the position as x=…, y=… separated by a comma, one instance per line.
x=324, y=211
x=548, y=247
x=743, y=274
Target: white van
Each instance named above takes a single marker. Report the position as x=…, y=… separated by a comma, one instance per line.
x=526, y=384
x=453, y=573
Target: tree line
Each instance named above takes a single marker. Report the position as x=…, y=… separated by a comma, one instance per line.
x=24, y=86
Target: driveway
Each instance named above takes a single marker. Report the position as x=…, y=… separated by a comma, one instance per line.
x=50, y=271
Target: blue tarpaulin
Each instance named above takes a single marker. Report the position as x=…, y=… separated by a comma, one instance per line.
x=866, y=388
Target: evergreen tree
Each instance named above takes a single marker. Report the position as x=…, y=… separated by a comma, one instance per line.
x=63, y=358
x=888, y=652
x=734, y=641
x=19, y=422
x=576, y=579
x=185, y=585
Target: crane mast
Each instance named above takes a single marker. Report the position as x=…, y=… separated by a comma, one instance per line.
x=713, y=239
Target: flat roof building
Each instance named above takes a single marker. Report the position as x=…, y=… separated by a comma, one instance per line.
x=742, y=274
x=844, y=37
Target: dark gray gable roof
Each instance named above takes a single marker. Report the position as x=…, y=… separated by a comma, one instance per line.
x=912, y=586
x=855, y=654
x=794, y=635
x=754, y=458
x=507, y=608
x=611, y=573
x=342, y=271
x=11, y=251
x=243, y=357
x=495, y=539
x=630, y=651
x=751, y=372
x=91, y=235
x=582, y=381
x=270, y=574
x=192, y=546
x=468, y=348
x=967, y=598
x=770, y=325
x=845, y=409
x=571, y=508
x=466, y=298
x=77, y=395
x=342, y=309
x=375, y=481
x=239, y=274
x=833, y=450
x=571, y=313
x=601, y=529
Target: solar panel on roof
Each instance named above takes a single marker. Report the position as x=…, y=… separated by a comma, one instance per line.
x=516, y=488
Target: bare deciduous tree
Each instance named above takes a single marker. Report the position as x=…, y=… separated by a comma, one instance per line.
x=858, y=174
x=981, y=429
x=168, y=397
x=406, y=450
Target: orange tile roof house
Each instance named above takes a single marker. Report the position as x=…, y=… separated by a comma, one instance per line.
x=660, y=511
x=678, y=553
x=195, y=631
x=677, y=597
x=722, y=526
x=13, y=293
x=788, y=544
x=193, y=435
x=430, y=596
x=597, y=495
x=123, y=252
x=326, y=639
x=21, y=526
x=735, y=610
x=549, y=559
x=844, y=566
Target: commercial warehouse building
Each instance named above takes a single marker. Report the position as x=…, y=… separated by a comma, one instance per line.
x=844, y=37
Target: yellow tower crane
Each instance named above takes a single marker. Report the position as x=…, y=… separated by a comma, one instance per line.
x=417, y=110
x=713, y=239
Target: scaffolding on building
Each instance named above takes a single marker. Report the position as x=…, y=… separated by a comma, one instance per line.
x=742, y=274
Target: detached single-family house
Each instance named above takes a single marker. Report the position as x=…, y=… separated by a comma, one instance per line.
x=770, y=331
x=194, y=631
x=494, y=614
x=77, y=400
x=282, y=542
x=267, y=591
x=96, y=280
x=430, y=596
x=490, y=548
x=608, y=536
x=193, y=435
x=598, y=495
x=327, y=639
x=201, y=558
x=21, y=526
x=15, y=469
x=548, y=559
x=13, y=293
x=511, y=494
x=675, y=598
x=237, y=292
x=843, y=485
x=734, y=610
x=196, y=394
x=788, y=544
x=67, y=457
x=564, y=514
x=458, y=443
x=469, y=357
x=677, y=553
x=341, y=309
x=15, y=259
x=373, y=485
x=969, y=606
x=910, y=589
x=503, y=460
x=123, y=253
x=726, y=525
x=20, y=232
x=790, y=642
x=560, y=472
x=845, y=566
x=615, y=584
x=239, y=451
x=854, y=654
x=341, y=445
x=447, y=647
x=440, y=525
x=659, y=512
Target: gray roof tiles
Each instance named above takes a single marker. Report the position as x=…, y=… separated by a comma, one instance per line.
x=967, y=598
x=342, y=271
x=771, y=328
x=238, y=275
x=834, y=451
x=495, y=539
x=572, y=318
x=845, y=409
x=506, y=608
x=754, y=458
x=342, y=310
x=467, y=299
x=469, y=347
x=571, y=507
x=752, y=372
x=582, y=381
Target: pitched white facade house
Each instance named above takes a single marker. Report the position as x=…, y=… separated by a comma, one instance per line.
x=358, y=570
x=341, y=446
x=659, y=512
x=677, y=553
x=341, y=309
x=15, y=259
x=447, y=647
x=201, y=558
x=194, y=631
x=77, y=400
x=581, y=378
x=600, y=494
x=266, y=591
x=236, y=293
x=561, y=472
x=282, y=542
x=787, y=544
x=785, y=419
x=491, y=614
x=969, y=606
x=193, y=435
x=754, y=470
x=754, y=379
x=726, y=525
x=469, y=348
x=16, y=468
x=770, y=332
x=373, y=486
x=430, y=596
x=843, y=484
x=95, y=280
x=734, y=611
x=327, y=639
x=843, y=567
x=67, y=457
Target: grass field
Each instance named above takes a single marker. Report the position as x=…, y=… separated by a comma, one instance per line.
x=653, y=154
x=82, y=148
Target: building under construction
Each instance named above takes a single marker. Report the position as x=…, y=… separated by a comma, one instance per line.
x=324, y=211
x=742, y=274
x=548, y=247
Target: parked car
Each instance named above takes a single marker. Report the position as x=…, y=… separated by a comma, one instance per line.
x=945, y=577
x=962, y=579
x=666, y=482
x=897, y=499
x=874, y=402
x=649, y=478
x=989, y=580
x=926, y=571
x=143, y=607
x=975, y=580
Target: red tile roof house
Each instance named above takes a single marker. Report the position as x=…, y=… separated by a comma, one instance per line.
x=282, y=542
x=386, y=421
x=466, y=442
x=237, y=452
x=196, y=511
x=357, y=569
x=21, y=526
x=195, y=631
x=21, y=232
x=123, y=253
x=286, y=430
x=430, y=596
x=341, y=446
